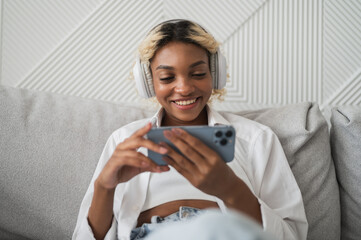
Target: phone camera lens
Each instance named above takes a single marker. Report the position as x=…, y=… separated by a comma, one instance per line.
x=223, y=141
x=229, y=133
x=218, y=134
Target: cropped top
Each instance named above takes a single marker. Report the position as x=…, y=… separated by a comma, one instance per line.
x=170, y=186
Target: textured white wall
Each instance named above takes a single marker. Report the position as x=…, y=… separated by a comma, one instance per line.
x=342, y=52
x=278, y=51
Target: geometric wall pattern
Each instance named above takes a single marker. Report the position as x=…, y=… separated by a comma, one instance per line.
x=342, y=52
x=278, y=52
x=32, y=30
x=277, y=56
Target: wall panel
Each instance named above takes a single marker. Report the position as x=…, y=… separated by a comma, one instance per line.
x=278, y=51
x=342, y=52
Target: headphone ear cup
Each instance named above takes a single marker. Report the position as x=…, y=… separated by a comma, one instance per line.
x=218, y=68
x=221, y=70
x=213, y=69
x=143, y=79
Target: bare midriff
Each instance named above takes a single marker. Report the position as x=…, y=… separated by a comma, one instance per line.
x=168, y=208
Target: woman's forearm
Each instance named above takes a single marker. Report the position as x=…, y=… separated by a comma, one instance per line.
x=240, y=197
x=101, y=211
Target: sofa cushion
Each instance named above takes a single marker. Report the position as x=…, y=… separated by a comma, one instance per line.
x=346, y=151
x=50, y=145
x=303, y=133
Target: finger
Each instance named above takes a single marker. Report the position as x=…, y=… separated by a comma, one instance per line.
x=139, y=160
x=187, y=149
x=132, y=158
x=146, y=162
x=160, y=169
x=142, y=131
x=179, y=161
x=182, y=170
x=157, y=169
x=135, y=143
x=198, y=145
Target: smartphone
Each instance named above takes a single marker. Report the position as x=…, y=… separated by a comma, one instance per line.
x=219, y=138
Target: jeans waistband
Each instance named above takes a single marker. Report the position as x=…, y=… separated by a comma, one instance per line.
x=183, y=213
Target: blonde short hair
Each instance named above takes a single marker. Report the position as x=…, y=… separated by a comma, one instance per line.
x=181, y=31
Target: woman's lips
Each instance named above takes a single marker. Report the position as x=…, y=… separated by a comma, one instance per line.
x=186, y=104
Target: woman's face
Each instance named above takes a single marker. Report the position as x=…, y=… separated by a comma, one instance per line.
x=182, y=83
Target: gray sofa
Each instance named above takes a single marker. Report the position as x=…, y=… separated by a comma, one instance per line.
x=50, y=145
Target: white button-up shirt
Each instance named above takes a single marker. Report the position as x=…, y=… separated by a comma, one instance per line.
x=259, y=161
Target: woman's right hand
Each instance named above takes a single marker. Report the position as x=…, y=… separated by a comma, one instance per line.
x=126, y=162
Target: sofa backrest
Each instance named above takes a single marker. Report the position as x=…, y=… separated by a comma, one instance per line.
x=50, y=145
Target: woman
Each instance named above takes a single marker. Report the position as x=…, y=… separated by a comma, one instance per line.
x=130, y=196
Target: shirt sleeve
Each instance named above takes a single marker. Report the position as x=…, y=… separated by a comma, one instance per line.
x=83, y=230
x=279, y=196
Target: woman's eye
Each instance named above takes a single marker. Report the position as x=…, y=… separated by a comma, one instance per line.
x=166, y=78
x=199, y=74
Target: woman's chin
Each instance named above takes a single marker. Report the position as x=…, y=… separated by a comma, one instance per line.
x=186, y=116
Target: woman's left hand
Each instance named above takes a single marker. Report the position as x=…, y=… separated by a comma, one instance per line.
x=202, y=166
x=205, y=170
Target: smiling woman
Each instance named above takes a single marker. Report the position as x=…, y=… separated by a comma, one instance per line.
x=130, y=197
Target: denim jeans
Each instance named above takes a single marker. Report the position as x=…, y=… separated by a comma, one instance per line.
x=211, y=225
x=184, y=213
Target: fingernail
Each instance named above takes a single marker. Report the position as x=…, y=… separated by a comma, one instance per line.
x=163, y=150
x=177, y=131
x=165, y=168
x=167, y=133
x=145, y=164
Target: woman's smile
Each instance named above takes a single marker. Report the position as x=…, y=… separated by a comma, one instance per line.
x=186, y=104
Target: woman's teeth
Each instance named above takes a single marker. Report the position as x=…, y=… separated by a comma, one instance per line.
x=183, y=103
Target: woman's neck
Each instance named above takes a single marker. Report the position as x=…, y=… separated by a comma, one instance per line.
x=202, y=119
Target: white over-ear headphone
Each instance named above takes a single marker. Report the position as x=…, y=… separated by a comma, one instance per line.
x=143, y=76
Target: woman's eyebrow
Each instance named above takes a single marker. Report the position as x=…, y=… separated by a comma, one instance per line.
x=164, y=67
x=172, y=68
x=197, y=63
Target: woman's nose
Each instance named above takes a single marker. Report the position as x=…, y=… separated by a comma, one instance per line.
x=184, y=86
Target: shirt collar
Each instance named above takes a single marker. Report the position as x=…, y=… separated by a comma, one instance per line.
x=157, y=118
x=214, y=117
